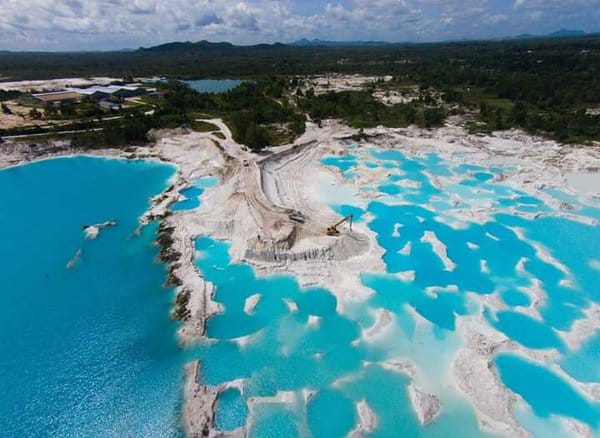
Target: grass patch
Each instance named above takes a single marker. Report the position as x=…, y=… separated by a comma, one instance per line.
x=201, y=126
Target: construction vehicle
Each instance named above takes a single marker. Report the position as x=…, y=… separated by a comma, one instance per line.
x=333, y=230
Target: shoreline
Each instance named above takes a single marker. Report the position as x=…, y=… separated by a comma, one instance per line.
x=262, y=199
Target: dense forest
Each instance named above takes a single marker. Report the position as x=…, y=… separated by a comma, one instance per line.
x=252, y=110
x=545, y=86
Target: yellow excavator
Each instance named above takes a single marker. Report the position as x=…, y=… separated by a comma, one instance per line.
x=333, y=230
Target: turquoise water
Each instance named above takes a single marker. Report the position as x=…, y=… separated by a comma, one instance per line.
x=346, y=163
x=206, y=182
x=213, y=85
x=96, y=352
x=186, y=205
x=342, y=162
x=545, y=391
x=495, y=242
x=191, y=200
x=287, y=353
x=515, y=298
x=326, y=405
x=91, y=350
x=315, y=349
x=232, y=411
x=193, y=193
x=583, y=364
x=346, y=210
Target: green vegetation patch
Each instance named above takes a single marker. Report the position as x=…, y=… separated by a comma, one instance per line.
x=359, y=109
x=252, y=110
x=201, y=126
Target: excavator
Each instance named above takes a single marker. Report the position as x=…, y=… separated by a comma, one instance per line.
x=333, y=230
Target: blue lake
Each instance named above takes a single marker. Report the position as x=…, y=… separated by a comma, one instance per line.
x=213, y=85
x=89, y=350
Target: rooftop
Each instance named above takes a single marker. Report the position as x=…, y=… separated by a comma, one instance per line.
x=57, y=96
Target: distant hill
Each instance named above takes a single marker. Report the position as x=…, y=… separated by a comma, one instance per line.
x=562, y=33
x=567, y=33
x=206, y=47
x=324, y=43
x=187, y=46
x=225, y=47
x=523, y=36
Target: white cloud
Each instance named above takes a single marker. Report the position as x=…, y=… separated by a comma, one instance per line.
x=75, y=24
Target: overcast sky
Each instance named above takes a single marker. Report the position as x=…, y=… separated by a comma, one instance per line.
x=117, y=24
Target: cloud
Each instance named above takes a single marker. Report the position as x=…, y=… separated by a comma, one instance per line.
x=243, y=16
x=207, y=20
x=142, y=7
x=104, y=24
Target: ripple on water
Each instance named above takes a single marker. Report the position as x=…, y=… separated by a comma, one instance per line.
x=86, y=351
x=327, y=405
x=231, y=410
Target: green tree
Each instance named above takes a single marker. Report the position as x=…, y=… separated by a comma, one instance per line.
x=518, y=113
x=67, y=109
x=256, y=137
x=433, y=117
x=498, y=123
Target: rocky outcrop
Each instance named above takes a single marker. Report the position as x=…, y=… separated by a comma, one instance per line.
x=427, y=406
x=198, y=408
x=476, y=377
x=367, y=421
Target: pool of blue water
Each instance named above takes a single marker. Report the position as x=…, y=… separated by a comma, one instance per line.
x=193, y=193
x=185, y=205
x=89, y=350
x=213, y=85
x=515, y=298
x=545, y=391
x=206, y=182
x=285, y=351
x=495, y=244
x=342, y=162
